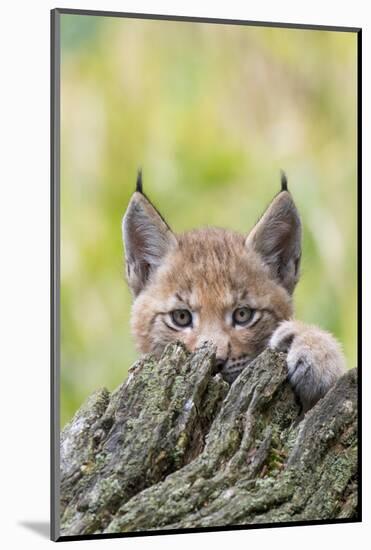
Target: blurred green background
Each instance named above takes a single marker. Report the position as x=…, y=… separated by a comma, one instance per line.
x=211, y=113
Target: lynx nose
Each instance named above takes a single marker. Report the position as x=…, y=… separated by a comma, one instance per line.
x=219, y=364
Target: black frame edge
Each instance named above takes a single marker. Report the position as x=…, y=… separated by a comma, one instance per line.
x=197, y=19
x=190, y=531
x=359, y=263
x=54, y=270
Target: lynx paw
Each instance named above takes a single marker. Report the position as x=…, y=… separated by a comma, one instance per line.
x=314, y=359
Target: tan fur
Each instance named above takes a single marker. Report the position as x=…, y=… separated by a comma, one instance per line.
x=214, y=273
x=211, y=272
x=314, y=359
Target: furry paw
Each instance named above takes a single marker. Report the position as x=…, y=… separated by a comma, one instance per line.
x=314, y=359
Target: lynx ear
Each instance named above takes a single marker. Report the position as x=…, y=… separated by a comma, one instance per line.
x=277, y=239
x=147, y=239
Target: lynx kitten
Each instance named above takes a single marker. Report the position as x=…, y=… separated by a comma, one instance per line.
x=232, y=289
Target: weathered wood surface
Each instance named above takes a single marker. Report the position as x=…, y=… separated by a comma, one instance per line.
x=175, y=447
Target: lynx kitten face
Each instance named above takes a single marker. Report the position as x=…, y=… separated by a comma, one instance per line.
x=211, y=287
x=218, y=285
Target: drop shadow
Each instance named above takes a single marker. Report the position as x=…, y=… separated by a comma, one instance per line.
x=42, y=528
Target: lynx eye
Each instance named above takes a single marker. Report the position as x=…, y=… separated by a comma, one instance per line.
x=181, y=317
x=242, y=316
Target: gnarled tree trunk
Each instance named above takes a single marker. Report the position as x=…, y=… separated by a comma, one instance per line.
x=175, y=447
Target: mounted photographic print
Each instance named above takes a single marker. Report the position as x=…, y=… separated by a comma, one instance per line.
x=205, y=267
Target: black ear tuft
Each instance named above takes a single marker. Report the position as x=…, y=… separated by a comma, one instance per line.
x=283, y=181
x=139, y=187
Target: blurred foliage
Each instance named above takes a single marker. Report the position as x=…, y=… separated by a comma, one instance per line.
x=211, y=113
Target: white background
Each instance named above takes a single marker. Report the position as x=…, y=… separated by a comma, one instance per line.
x=24, y=256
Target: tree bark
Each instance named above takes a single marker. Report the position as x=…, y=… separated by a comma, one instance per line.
x=176, y=447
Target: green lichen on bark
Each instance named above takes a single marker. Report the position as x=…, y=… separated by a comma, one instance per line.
x=174, y=447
